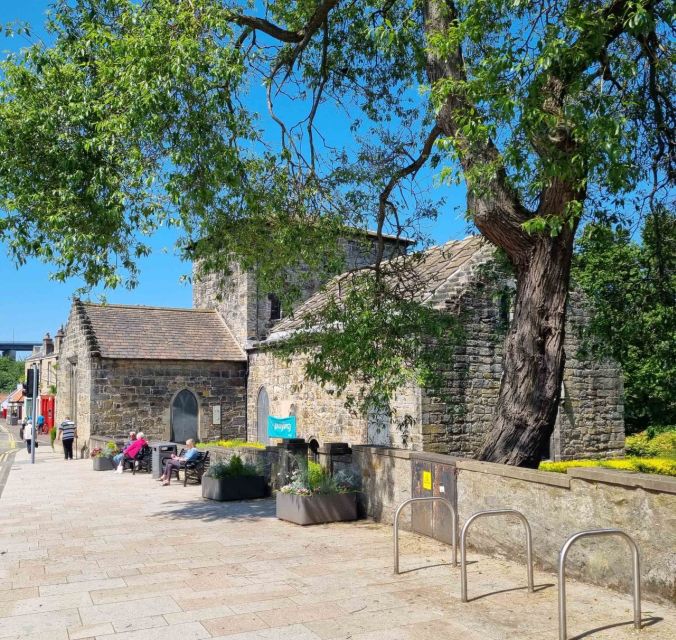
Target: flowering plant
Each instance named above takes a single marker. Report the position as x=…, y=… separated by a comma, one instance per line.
x=108, y=452
x=310, y=478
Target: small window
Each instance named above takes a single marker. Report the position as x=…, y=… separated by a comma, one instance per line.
x=275, y=307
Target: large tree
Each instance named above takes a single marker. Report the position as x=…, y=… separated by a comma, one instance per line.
x=137, y=114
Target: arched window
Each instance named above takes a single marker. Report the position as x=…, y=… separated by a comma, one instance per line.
x=184, y=417
x=262, y=413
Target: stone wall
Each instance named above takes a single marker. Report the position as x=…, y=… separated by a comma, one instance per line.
x=455, y=419
x=246, y=308
x=231, y=296
x=137, y=394
x=590, y=421
x=556, y=505
x=73, y=377
x=321, y=414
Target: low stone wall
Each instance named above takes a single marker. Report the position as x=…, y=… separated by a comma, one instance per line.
x=556, y=505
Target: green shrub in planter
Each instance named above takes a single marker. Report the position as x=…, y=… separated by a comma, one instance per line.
x=314, y=496
x=233, y=480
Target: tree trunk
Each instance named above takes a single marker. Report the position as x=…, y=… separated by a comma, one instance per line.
x=533, y=362
x=534, y=357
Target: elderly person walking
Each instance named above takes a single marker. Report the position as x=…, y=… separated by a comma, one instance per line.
x=176, y=462
x=28, y=435
x=67, y=434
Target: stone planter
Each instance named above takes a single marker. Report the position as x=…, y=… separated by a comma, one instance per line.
x=317, y=508
x=103, y=464
x=235, y=488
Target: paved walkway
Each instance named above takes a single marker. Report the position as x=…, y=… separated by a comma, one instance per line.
x=118, y=557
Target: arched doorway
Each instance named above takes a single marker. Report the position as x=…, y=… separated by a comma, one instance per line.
x=262, y=413
x=184, y=417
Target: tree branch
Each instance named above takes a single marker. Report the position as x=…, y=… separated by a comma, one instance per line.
x=260, y=24
x=497, y=210
x=409, y=170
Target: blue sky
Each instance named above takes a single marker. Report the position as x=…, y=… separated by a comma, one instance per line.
x=33, y=304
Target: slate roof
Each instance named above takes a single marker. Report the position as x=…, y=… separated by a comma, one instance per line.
x=438, y=268
x=157, y=333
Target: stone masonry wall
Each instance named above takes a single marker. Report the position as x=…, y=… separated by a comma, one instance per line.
x=246, y=308
x=556, y=506
x=73, y=378
x=320, y=414
x=591, y=413
x=232, y=300
x=590, y=421
x=137, y=394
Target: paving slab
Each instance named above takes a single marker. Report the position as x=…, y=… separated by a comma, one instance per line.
x=119, y=557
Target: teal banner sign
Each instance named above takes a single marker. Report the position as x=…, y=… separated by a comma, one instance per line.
x=282, y=427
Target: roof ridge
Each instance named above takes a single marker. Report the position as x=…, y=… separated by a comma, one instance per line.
x=145, y=306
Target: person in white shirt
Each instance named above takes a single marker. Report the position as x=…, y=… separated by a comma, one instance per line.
x=28, y=435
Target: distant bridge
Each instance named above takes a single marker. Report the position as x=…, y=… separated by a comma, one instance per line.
x=9, y=349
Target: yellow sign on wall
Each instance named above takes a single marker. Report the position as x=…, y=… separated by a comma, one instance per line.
x=427, y=480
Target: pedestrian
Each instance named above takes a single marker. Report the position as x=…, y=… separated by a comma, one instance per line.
x=41, y=424
x=67, y=433
x=28, y=435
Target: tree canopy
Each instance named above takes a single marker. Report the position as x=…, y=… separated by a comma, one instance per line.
x=262, y=130
x=632, y=291
x=11, y=373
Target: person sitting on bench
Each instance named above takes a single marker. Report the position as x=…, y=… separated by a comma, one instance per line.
x=176, y=462
x=132, y=450
x=117, y=458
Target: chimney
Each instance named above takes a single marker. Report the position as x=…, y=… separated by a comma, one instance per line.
x=58, y=339
x=47, y=344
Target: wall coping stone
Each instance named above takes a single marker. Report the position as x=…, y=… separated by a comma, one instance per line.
x=519, y=473
x=652, y=482
x=390, y=452
x=436, y=457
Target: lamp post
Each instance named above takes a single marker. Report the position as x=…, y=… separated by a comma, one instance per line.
x=34, y=391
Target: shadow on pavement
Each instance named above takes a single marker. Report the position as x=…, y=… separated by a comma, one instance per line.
x=210, y=511
x=536, y=588
x=645, y=622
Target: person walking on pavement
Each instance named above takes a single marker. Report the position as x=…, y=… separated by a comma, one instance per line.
x=41, y=424
x=67, y=433
x=28, y=435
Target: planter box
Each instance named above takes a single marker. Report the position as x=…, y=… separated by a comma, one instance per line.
x=103, y=464
x=316, y=509
x=236, y=488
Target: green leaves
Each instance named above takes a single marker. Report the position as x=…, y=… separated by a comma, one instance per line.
x=631, y=289
x=373, y=336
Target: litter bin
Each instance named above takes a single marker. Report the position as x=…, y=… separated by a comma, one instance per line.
x=160, y=452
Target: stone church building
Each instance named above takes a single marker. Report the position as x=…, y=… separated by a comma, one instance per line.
x=202, y=372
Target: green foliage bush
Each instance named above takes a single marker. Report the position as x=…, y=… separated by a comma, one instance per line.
x=661, y=466
x=652, y=443
x=234, y=467
x=231, y=444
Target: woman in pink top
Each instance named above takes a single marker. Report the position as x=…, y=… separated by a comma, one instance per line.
x=133, y=449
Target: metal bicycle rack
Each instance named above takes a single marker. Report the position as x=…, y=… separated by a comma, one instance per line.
x=454, y=520
x=636, y=566
x=463, y=539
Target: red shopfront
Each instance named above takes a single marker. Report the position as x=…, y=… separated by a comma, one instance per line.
x=47, y=410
